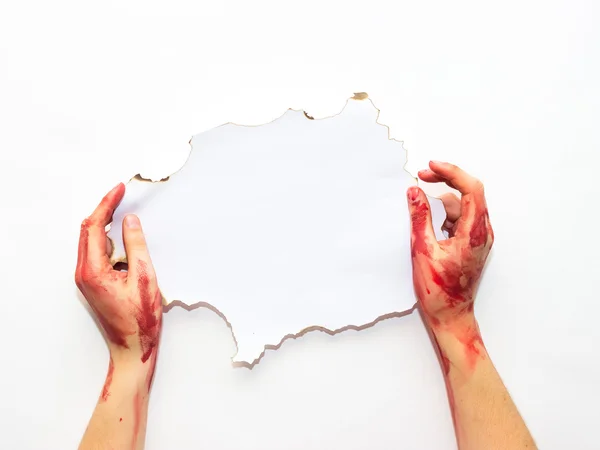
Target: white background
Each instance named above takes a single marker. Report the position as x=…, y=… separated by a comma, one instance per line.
x=508, y=90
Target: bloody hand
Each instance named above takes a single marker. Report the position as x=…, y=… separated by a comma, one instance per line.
x=446, y=273
x=128, y=305
x=445, y=276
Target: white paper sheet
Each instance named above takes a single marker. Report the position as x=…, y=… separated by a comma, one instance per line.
x=295, y=224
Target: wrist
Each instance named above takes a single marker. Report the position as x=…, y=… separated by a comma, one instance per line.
x=135, y=350
x=460, y=342
x=128, y=366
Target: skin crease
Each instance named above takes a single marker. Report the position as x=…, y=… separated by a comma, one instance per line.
x=128, y=307
x=445, y=277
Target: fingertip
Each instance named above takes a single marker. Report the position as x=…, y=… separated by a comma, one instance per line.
x=437, y=166
x=118, y=192
x=420, y=217
x=413, y=194
x=132, y=222
x=113, y=198
x=118, y=186
x=134, y=240
x=429, y=176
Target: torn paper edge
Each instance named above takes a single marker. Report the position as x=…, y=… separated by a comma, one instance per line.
x=358, y=96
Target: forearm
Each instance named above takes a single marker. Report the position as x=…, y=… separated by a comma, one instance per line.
x=484, y=414
x=119, y=420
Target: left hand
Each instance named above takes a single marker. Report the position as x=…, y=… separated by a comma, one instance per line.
x=128, y=305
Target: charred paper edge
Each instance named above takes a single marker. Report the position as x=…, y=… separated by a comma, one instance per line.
x=358, y=96
x=167, y=306
x=271, y=347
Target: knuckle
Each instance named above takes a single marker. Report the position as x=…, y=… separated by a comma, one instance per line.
x=136, y=238
x=138, y=250
x=145, y=268
x=477, y=186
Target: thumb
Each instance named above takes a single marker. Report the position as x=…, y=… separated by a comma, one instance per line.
x=138, y=257
x=422, y=235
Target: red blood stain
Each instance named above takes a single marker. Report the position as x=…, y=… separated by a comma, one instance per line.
x=418, y=286
x=419, y=220
x=413, y=194
x=479, y=233
x=449, y=281
x=88, y=280
x=419, y=217
x=150, y=376
x=109, y=376
x=148, y=323
x=443, y=358
x=446, y=364
x=120, y=419
x=470, y=337
x=84, y=238
x=428, y=291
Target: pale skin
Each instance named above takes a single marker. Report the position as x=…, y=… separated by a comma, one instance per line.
x=445, y=274
x=128, y=307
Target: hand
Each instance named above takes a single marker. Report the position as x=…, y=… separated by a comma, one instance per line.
x=128, y=305
x=446, y=273
x=445, y=277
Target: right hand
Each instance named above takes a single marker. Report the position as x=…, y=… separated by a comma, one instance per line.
x=446, y=273
x=128, y=305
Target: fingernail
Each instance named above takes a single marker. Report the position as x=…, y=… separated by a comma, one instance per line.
x=436, y=162
x=131, y=221
x=412, y=194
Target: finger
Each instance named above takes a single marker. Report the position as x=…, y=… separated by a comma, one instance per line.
x=422, y=235
x=109, y=246
x=140, y=268
x=462, y=181
x=429, y=176
x=452, y=206
x=449, y=227
x=92, y=238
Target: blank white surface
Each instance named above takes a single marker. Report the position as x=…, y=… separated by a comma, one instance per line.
x=282, y=227
x=509, y=91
